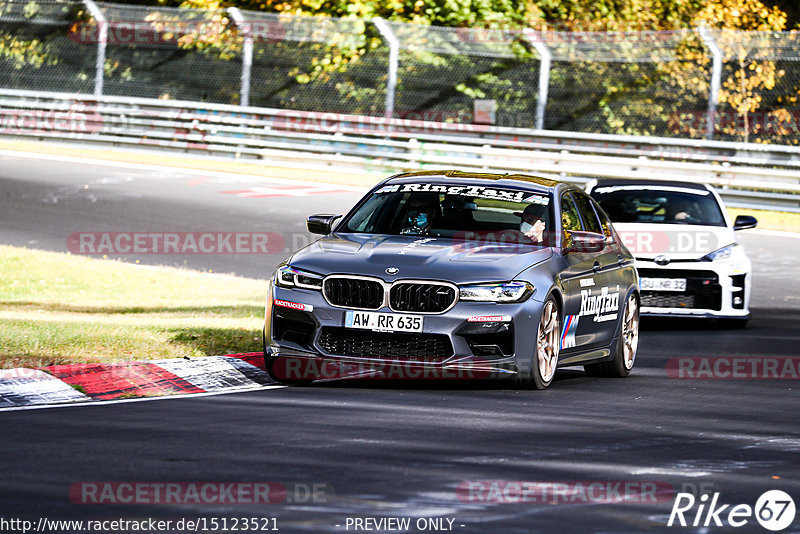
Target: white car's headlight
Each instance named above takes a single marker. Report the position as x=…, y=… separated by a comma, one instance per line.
x=287, y=276
x=720, y=254
x=501, y=292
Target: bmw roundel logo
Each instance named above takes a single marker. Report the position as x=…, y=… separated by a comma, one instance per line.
x=661, y=260
x=392, y=270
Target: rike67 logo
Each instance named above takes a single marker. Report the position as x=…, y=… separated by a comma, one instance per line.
x=774, y=510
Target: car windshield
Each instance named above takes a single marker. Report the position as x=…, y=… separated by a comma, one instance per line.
x=450, y=211
x=659, y=204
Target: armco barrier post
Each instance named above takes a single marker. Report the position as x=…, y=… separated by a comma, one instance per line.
x=716, y=76
x=247, y=53
x=394, y=58
x=102, y=42
x=545, y=58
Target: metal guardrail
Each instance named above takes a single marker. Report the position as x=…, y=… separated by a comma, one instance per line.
x=748, y=175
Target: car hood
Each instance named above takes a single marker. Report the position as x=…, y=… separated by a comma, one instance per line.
x=676, y=241
x=458, y=261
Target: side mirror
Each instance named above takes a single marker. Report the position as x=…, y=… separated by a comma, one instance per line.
x=321, y=224
x=583, y=242
x=743, y=222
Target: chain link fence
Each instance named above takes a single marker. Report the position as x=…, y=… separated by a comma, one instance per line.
x=36, y=51
x=158, y=52
x=444, y=72
x=726, y=85
x=760, y=86
x=316, y=64
x=630, y=83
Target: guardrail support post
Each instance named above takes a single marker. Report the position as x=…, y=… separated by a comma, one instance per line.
x=394, y=58
x=716, y=77
x=247, y=53
x=545, y=59
x=102, y=42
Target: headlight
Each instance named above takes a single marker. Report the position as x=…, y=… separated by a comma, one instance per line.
x=721, y=254
x=287, y=276
x=498, y=292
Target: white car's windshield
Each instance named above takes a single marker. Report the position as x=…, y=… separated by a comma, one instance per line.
x=659, y=204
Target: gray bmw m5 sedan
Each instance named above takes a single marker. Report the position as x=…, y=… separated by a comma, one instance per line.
x=448, y=274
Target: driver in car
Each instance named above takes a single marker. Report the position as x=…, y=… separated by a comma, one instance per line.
x=680, y=210
x=421, y=211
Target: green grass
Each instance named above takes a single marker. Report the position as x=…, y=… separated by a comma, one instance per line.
x=59, y=308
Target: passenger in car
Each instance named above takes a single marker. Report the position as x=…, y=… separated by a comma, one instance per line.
x=532, y=223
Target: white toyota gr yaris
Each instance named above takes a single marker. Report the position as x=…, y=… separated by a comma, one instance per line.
x=687, y=255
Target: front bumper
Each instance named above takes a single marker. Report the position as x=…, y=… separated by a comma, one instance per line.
x=449, y=346
x=714, y=289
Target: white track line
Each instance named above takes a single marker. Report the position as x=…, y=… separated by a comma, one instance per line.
x=140, y=399
x=179, y=169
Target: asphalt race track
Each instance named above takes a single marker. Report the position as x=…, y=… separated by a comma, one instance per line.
x=394, y=449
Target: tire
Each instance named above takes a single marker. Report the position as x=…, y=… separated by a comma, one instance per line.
x=627, y=344
x=545, y=356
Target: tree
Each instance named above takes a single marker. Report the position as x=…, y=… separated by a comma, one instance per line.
x=748, y=74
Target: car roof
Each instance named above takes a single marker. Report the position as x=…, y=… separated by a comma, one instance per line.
x=534, y=182
x=605, y=182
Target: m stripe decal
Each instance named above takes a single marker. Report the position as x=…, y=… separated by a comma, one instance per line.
x=568, y=335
